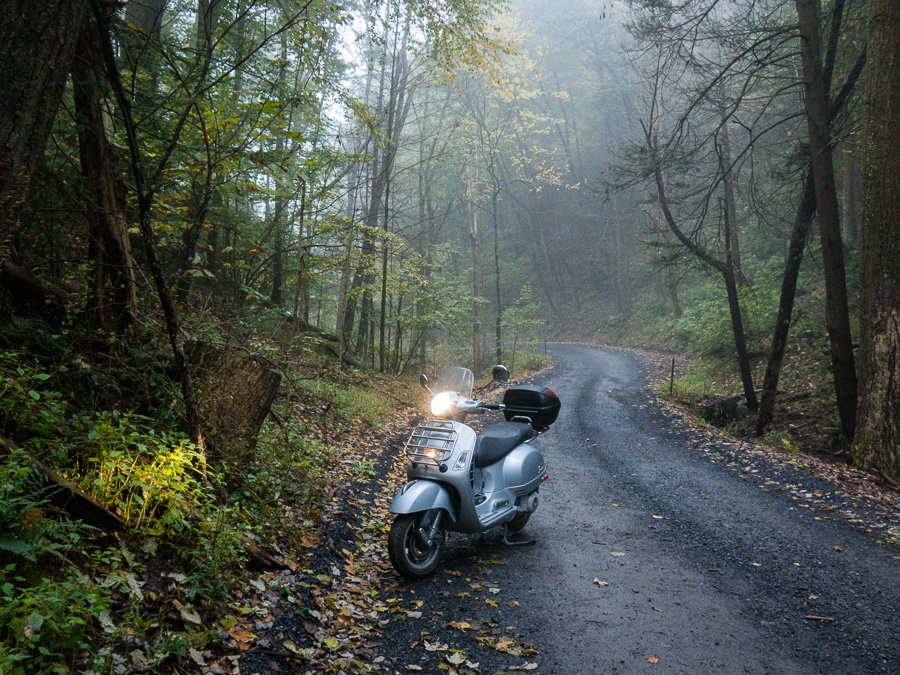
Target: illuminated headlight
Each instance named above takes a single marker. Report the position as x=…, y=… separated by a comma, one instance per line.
x=443, y=404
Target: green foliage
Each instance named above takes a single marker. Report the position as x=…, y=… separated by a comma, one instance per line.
x=150, y=480
x=45, y=626
x=27, y=530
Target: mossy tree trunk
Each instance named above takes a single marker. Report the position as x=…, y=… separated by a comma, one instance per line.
x=113, y=300
x=877, y=442
x=37, y=41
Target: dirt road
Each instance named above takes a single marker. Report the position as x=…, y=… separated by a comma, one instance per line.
x=661, y=550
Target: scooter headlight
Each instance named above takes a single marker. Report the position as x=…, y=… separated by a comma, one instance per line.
x=443, y=404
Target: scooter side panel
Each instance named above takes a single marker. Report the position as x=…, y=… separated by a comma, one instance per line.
x=422, y=495
x=523, y=469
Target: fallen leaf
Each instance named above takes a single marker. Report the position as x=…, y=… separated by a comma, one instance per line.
x=601, y=583
x=658, y=518
x=197, y=657
x=242, y=637
x=459, y=625
x=191, y=616
x=617, y=554
x=414, y=668
x=652, y=659
x=838, y=549
x=456, y=658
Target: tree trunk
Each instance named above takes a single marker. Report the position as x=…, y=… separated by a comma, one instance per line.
x=737, y=326
x=877, y=441
x=237, y=392
x=476, y=270
x=837, y=315
x=113, y=299
x=850, y=190
x=37, y=42
x=802, y=223
x=730, y=207
x=498, y=327
x=145, y=198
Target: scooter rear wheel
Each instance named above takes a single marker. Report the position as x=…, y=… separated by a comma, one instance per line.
x=519, y=522
x=410, y=553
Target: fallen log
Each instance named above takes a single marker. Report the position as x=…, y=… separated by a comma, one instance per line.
x=66, y=497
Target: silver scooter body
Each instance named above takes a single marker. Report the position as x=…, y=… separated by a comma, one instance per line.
x=443, y=473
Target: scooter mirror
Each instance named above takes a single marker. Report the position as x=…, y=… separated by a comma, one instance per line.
x=500, y=373
x=423, y=380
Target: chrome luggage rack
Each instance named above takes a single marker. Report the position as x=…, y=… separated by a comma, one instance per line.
x=431, y=443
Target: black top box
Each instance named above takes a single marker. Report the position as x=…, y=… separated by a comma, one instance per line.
x=539, y=404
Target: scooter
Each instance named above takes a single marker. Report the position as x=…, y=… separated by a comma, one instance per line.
x=460, y=481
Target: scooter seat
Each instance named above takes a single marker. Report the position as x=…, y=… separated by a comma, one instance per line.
x=498, y=440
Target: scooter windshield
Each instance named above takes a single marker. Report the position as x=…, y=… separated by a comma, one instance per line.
x=460, y=380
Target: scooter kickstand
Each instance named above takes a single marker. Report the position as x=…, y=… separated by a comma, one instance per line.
x=524, y=542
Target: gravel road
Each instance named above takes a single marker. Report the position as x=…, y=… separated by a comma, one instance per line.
x=662, y=550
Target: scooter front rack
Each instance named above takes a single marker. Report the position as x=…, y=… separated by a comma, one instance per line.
x=431, y=443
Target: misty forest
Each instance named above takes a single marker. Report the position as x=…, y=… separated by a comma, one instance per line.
x=233, y=233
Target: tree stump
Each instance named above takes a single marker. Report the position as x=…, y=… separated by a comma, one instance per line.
x=723, y=409
x=236, y=390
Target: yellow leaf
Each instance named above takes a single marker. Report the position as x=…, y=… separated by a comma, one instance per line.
x=652, y=659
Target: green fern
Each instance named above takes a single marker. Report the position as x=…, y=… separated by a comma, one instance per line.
x=18, y=547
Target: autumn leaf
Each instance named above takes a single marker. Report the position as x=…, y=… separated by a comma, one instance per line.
x=652, y=659
x=241, y=637
x=601, y=583
x=456, y=658
x=191, y=616
x=459, y=625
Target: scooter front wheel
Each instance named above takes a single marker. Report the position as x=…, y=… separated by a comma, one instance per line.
x=416, y=544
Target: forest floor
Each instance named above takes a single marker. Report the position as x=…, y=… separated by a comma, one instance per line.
x=340, y=608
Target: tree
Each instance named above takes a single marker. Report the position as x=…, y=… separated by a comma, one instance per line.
x=37, y=41
x=877, y=439
x=113, y=300
x=837, y=313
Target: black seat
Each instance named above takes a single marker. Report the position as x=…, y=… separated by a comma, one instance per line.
x=498, y=440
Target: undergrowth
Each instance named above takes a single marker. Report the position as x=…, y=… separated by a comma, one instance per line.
x=77, y=599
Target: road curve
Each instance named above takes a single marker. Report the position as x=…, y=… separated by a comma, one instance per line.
x=655, y=556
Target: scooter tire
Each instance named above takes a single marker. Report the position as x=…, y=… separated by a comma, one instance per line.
x=519, y=522
x=411, y=558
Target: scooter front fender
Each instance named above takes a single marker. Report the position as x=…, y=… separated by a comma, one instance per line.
x=423, y=495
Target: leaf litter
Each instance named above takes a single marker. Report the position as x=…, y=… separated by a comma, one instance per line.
x=340, y=608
